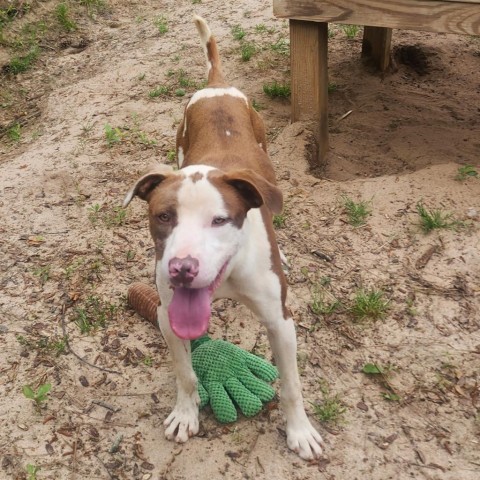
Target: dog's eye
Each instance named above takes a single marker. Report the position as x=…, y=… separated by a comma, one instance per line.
x=219, y=221
x=164, y=217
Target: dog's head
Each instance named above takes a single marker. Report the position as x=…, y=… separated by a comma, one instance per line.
x=197, y=222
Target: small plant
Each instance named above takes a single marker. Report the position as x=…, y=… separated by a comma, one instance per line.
x=180, y=92
x=94, y=213
x=63, y=17
x=14, y=133
x=257, y=106
x=39, y=396
x=382, y=374
x=116, y=217
x=331, y=409
x=281, y=46
x=247, y=51
x=94, y=315
x=277, y=90
x=320, y=307
x=238, y=32
x=158, y=91
x=356, y=212
x=350, y=31
x=184, y=81
x=147, y=361
x=45, y=344
x=32, y=471
x=434, y=219
x=369, y=304
x=22, y=64
x=112, y=135
x=171, y=156
x=43, y=273
x=332, y=87
x=161, y=24
x=279, y=221
x=466, y=171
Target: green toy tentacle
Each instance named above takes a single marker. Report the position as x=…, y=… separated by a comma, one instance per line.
x=203, y=394
x=223, y=408
x=258, y=387
x=248, y=403
x=261, y=368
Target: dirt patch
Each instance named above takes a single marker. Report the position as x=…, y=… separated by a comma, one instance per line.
x=108, y=101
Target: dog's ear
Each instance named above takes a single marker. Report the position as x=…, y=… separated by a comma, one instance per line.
x=255, y=190
x=146, y=184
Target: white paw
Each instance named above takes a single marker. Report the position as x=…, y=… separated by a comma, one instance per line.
x=182, y=423
x=304, y=440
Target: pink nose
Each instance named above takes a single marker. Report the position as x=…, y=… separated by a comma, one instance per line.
x=182, y=271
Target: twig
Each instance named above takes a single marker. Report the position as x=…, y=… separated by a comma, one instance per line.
x=75, y=354
x=106, y=405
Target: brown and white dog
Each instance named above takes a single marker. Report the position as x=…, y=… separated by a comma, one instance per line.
x=211, y=222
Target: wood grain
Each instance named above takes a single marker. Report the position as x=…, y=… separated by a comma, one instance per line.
x=426, y=15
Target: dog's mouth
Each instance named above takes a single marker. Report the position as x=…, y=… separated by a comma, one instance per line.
x=190, y=309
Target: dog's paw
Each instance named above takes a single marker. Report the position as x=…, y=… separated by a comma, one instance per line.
x=304, y=440
x=182, y=423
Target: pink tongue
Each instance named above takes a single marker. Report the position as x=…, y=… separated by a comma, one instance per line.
x=189, y=312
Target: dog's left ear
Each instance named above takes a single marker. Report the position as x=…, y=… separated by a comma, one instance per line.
x=255, y=190
x=146, y=184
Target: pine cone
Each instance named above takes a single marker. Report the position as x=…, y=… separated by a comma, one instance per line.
x=144, y=300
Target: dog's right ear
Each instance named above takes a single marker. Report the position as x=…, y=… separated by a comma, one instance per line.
x=146, y=184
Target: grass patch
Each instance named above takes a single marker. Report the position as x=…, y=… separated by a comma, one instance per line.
x=350, y=31
x=161, y=24
x=279, y=221
x=277, y=90
x=63, y=17
x=466, y=171
x=369, y=304
x=113, y=135
x=238, y=33
x=14, y=133
x=94, y=314
x=329, y=410
x=320, y=307
x=247, y=50
x=161, y=90
x=21, y=64
x=357, y=212
x=55, y=345
x=434, y=219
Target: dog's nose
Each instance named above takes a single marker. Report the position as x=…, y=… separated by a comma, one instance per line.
x=182, y=270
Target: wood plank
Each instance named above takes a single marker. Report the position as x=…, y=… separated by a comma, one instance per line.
x=376, y=45
x=309, y=69
x=425, y=15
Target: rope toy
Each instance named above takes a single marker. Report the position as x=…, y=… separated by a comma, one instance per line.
x=228, y=376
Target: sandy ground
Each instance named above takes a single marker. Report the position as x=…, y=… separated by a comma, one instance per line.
x=68, y=253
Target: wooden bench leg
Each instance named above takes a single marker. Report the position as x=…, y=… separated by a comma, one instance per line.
x=309, y=69
x=376, y=44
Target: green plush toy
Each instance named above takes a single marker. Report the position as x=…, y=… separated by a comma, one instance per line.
x=228, y=376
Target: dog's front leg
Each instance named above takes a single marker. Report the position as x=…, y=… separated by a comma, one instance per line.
x=182, y=423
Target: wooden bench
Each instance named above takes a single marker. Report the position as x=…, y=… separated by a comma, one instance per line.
x=309, y=41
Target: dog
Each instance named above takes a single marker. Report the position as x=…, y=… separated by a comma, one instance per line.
x=211, y=223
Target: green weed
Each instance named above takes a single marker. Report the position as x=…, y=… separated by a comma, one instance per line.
x=330, y=410
x=466, y=171
x=356, y=212
x=369, y=304
x=14, y=133
x=257, y=106
x=434, y=219
x=158, y=91
x=43, y=273
x=238, y=32
x=161, y=24
x=279, y=221
x=55, y=345
x=281, y=46
x=180, y=92
x=94, y=314
x=321, y=307
x=171, y=156
x=247, y=51
x=39, y=396
x=277, y=90
x=63, y=17
x=350, y=31
x=382, y=375
x=32, y=471
x=23, y=63
x=113, y=135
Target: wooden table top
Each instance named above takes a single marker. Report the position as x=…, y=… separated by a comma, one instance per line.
x=446, y=16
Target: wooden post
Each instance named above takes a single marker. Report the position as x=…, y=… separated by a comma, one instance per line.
x=376, y=44
x=309, y=69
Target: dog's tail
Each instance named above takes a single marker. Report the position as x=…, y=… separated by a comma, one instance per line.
x=214, y=67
